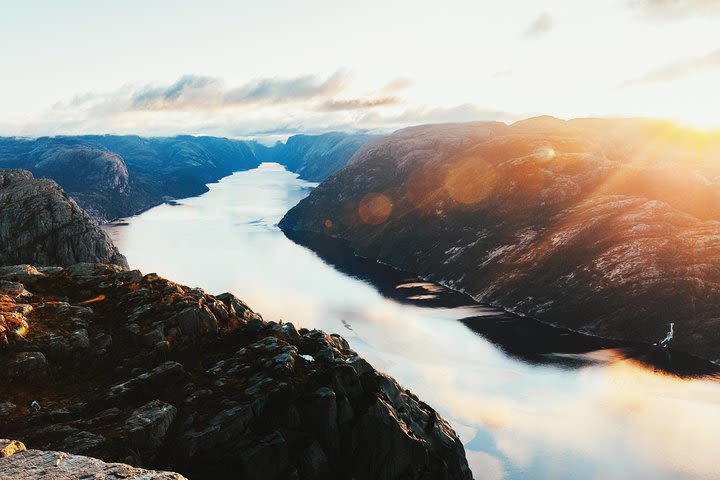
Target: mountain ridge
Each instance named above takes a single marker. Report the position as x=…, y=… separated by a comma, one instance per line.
x=599, y=226
x=114, y=176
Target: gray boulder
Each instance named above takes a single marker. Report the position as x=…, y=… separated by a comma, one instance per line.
x=17, y=463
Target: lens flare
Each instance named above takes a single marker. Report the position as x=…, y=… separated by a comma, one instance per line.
x=422, y=186
x=470, y=180
x=21, y=330
x=375, y=208
x=545, y=154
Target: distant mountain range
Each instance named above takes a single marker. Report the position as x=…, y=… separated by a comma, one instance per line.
x=607, y=227
x=116, y=176
x=314, y=157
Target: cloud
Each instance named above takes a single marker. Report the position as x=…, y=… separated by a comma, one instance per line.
x=543, y=24
x=397, y=84
x=192, y=91
x=358, y=103
x=677, y=70
x=485, y=465
x=267, y=107
x=674, y=9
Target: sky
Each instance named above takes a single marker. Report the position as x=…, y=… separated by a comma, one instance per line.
x=272, y=68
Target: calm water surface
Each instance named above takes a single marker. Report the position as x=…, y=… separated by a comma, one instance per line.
x=529, y=402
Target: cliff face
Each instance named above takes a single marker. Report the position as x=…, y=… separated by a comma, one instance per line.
x=97, y=179
x=42, y=225
x=315, y=157
x=609, y=227
x=135, y=368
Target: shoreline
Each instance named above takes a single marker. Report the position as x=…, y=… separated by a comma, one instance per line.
x=710, y=368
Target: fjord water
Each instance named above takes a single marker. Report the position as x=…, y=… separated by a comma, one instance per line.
x=528, y=402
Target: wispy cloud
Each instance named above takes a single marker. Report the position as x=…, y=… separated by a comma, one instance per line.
x=358, y=103
x=397, y=84
x=192, y=91
x=674, y=9
x=677, y=70
x=542, y=25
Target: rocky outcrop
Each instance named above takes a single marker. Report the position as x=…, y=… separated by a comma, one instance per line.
x=607, y=227
x=18, y=463
x=137, y=369
x=42, y=225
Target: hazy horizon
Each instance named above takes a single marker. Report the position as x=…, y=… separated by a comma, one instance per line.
x=272, y=69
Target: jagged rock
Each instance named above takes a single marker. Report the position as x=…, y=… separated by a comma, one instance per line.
x=240, y=398
x=40, y=224
x=147, y=426
x=81, y=442
x=26, y=366
x=6, y=408
x=47, y=465
x=26, y=274
x=166, y=375
x=193, y=321
x=15, y=289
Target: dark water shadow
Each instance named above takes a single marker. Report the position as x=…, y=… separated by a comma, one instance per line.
x=523, y=338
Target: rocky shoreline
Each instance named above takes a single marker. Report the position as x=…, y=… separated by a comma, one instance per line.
x=136, y=369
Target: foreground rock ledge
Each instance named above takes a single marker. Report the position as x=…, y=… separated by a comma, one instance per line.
x=136, y=369
x=23, y=464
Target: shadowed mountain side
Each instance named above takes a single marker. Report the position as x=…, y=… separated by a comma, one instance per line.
x=607, y=227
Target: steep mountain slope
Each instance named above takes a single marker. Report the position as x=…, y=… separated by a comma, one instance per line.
x=314, y=157
x=609, y=227
x=42, y=225
x=114, y=176
x=135, y=368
